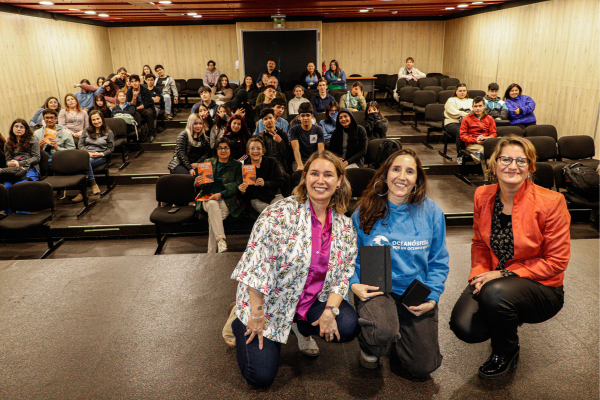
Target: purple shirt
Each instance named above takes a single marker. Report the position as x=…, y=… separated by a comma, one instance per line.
x=319, y=263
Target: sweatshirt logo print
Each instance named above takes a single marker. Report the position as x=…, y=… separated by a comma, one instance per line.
x=380, y=239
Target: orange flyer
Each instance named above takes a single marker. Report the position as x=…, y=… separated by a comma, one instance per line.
x=49, y=134
x=206, y=172
x=249, y=174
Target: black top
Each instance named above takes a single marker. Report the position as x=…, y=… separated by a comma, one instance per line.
x=270, y=172
x=501, y=238
x=146, y=94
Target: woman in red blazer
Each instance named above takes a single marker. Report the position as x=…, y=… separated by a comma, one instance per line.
x=521, y=248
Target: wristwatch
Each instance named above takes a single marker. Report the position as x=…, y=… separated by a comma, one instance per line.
x=334, y=310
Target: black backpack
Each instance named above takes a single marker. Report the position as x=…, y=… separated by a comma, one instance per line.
x=386, y=149
x=582, y=181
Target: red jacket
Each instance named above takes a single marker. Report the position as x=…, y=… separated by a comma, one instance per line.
x=542, y=242
x=471, y=127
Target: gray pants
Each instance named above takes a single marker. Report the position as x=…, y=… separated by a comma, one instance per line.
x=385, y=320
x=217, y=212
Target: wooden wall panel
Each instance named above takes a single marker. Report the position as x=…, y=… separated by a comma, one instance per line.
x=182, y=50
x=550, y=48
x=369, y=48
x=43, y=58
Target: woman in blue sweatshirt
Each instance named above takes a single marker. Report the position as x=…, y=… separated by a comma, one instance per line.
x=395, y=211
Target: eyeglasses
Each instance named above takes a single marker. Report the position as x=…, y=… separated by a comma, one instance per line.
x=521, y=162
x=19, y=127
x=50, y=117
x=222, y=148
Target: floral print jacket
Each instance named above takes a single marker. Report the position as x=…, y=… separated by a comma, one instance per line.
x=277, y=260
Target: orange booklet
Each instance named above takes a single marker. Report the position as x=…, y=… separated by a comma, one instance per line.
x=249, y=174
x=49, y=134
x=205, y=171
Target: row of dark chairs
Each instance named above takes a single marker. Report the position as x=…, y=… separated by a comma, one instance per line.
x=189, y=88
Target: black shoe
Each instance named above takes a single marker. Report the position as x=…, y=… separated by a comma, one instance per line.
x=497, y=366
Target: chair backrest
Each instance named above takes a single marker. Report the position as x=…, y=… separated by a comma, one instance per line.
x=333, y=92
x=296, y=178
x=436, y=89
x=381, y=79
x=545, y=147
x=233, y=86
x=310, y=93
x=338, y=96
x=391, y=81
x=437, y=75
x=118, y=126
x=181, y=84
x=541, y=130
x=3, y=198
x=502, y=131
x=488, y=147
x=289, y=95
x=406, y=93
x=544, y=175
x=400, y=83
x=451, y=87
x=355, y=76
x=434, y=112
x=445, y=82
x=428, y=82
x=175, y=189
x=71, y=162
x=373, y=149
x=474, y=93
x=444, y=95
x=576, y=147
x=31, y=196
x=44, y=164
x=359, y=179
x=194, y=84
x=320, y=117
x=423, y=97
x=359, y=116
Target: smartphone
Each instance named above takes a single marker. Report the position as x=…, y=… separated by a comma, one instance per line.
x=173, y=210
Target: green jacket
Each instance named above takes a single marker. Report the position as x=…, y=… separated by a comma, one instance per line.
x=232, y=179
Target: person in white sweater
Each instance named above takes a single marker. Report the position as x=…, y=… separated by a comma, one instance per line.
x=296, y=101
x=410, y=73
x=457, y=107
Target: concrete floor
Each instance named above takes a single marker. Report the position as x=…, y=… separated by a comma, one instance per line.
x=149, y=328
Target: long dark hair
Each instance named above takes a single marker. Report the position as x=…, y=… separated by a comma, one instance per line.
x=48, y=101
x=337, y=67
x=143, y=74
x=373, y=203
x=459, y=86
x=374, y=105
x=91, y=130
x=13, y=141
x=208, y=120
x=98, y=80
x=220, y=122
x=2, y=142
x=219, y=85
x=512, y=85
x=331, y=105
x=252, y=86
x=104, y=107
x=243, y=134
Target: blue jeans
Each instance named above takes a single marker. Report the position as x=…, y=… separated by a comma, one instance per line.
x=259, y=367
x=95, y=162
x=167, y=98
x=32, y=175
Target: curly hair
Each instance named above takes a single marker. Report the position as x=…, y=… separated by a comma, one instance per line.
x=22, y=143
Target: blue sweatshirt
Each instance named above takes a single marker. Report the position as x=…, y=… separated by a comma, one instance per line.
x=417, y=237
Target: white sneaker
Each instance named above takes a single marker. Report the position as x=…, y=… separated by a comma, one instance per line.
x=368, y=361
x=221, y=246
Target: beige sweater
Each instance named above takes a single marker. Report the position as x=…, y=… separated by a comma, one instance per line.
x=452, y=109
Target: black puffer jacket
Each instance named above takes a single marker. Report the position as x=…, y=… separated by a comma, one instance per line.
x=375, y=126
x=356, y=148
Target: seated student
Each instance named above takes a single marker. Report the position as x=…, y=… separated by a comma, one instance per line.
x=205, y=94
x=457, y=107
x=276, y=143
x=272, y=82
x=123, y=106
x=98, y=140
x=86, y=96
x=193, y=147
x=211, y=75
x=310, y=77
x=475, y=128
x=329, y=123
x=145, y=71
x=159, y=102
x=120, y=79
x=354, y=100
x=73, y=117
x=224, y=196
x=320, y=100
x=305, y=138
x=494, y=106
x=262, y=83
x=128, y=82
x=271, y=71
x=395, y=209
x=169, y=90
x=269, y=94
x=208, y=121
x=410, y=73
x=141, y=97
x=237, y=134
x=521, y=248
x=335, y=77
x=269, y=177
x=38, y=120
x=310, y=293
x=296, y=101
x=22, y=150
x=278, y=106
x=100, y=81
x=101, y=105
x=222, y=91
x=250, y=87
x=349, y=140
x=240, y=105
x=220, y=123
x=520, y=107
x=374, y=123
x=110, y=91
x=61, y=140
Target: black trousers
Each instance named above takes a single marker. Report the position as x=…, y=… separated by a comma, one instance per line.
x=500, y=307
x=148, y=115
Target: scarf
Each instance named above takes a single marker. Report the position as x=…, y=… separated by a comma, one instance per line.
x=351, y=101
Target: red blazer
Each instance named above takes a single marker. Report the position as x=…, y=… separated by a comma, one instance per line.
x=542, y=241
x=471, y=127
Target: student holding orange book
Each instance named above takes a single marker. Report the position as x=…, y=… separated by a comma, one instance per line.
x=53, y=137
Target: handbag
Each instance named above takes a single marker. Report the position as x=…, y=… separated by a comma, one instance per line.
x=13, y=174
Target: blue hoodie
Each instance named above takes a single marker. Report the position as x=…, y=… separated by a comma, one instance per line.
x=417, y=237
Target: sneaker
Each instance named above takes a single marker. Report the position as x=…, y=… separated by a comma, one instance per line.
x=169, y=117
x=368, y=361
x=61, y=194
x=477, y=157
x=77, y=199
x=221, y=246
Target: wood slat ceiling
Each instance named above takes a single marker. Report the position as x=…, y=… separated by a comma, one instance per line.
x=136, y=11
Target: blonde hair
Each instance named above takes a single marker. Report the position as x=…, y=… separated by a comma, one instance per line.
x=341, y=198
x=189, y=128
x=513, y=140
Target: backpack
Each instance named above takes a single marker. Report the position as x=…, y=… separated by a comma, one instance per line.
x=386, y=149
x=129, y=120
x=582, y=181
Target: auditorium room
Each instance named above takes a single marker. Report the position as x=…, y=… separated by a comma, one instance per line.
x=198, y=197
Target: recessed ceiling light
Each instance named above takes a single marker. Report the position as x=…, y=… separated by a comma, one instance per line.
x=90, y=12
x=449, y=8
x=164, y=2
x=191, y=14
x=74, y=9
x=46, y=3
x=462, y=5
x=197, y=16
x=369, y=8
x=394, y=12
x=103, y=15
x=478, y=2
x=364, y=10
